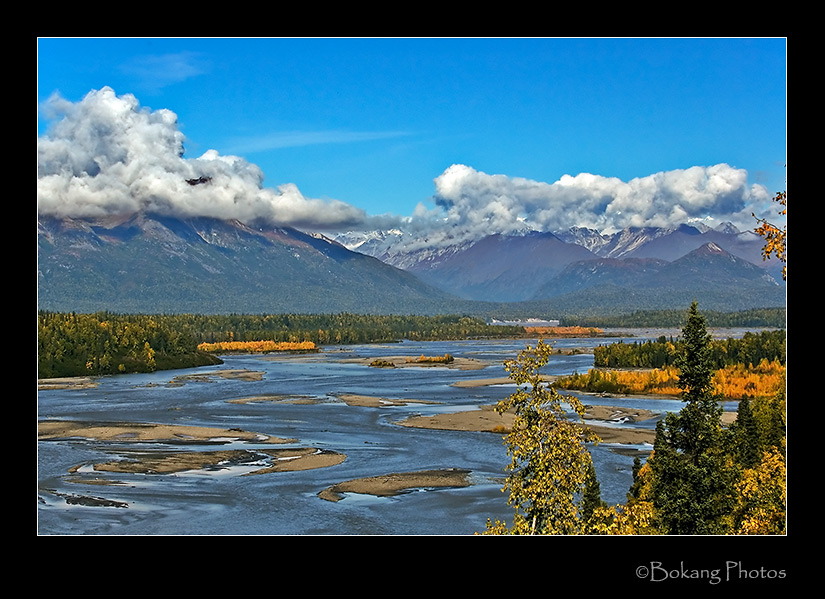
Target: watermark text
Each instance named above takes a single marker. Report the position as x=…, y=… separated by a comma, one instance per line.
x=731, y=571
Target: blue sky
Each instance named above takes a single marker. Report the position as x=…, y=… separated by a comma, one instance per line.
x=374, y=122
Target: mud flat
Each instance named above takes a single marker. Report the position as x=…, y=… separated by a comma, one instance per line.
x=389, y=485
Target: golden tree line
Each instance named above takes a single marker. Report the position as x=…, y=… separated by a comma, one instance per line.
x=257, y=346
x=731, y=382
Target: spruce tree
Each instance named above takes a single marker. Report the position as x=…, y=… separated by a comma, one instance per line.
x=633, y=492
x=747, y=445
x=700, y=419
x=691, y=483
x=592, y=495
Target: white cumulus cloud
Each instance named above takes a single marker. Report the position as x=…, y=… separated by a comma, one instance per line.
x=106, y=155
x=476, y=203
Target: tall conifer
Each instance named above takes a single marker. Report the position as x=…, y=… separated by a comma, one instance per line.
x=691, y=483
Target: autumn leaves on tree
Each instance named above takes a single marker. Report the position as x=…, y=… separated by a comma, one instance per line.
x=775, y=238
x=701, y=477
x=550, y=465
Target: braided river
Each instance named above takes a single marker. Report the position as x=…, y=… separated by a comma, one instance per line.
x=299, y=400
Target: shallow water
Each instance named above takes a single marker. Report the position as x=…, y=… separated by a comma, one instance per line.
x=221, y=502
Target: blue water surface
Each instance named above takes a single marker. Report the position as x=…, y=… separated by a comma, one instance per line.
x=287, y=503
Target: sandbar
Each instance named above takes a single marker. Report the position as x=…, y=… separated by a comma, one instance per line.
x=264, y=461
x=228, y=373
x=486, y=419
x=377, y=402
x=389, y=485
x=68, y=382
x=284, y=398
x=412, y=362
x=472, y=383
x=617, y=414
x=143, y=432
x=165, y=462
x=85, y=382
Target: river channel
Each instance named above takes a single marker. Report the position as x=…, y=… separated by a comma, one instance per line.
x=223, y=502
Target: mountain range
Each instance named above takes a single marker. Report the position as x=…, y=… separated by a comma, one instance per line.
x=151, y=263
x=534, y=265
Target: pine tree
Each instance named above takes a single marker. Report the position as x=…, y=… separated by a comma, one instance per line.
x=700, y=419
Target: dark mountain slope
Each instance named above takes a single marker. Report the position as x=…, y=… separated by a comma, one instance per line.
x=503, y=268
x=708, y=274
x=150, y=263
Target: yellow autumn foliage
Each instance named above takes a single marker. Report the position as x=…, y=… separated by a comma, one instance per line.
x=257, y=346
x=739, y=381
x=775, y=238
x=761, y=496
x=422, y=359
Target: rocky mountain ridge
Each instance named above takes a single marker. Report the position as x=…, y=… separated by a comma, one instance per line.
x=524, y=266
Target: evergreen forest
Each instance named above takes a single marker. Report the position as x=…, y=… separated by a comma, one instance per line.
x=752, y=348
x=74, y=344
x=71, y=344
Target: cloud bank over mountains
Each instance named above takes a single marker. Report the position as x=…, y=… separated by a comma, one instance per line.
x=106, y=155
x=471, y=199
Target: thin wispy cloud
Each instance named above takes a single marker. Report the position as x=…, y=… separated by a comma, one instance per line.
x=155, y=72
x=296, y=139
